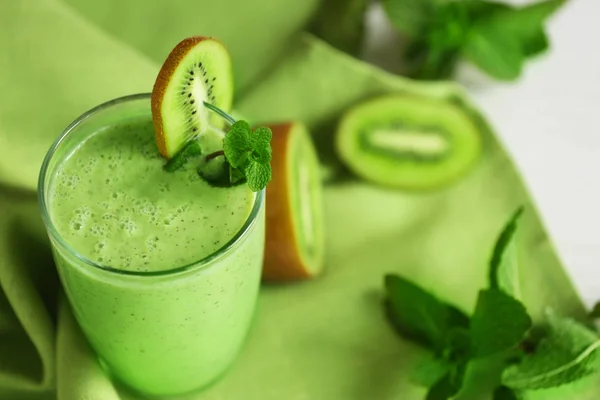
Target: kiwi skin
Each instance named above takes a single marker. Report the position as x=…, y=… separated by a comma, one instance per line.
x=282, y=261
x=162, y=82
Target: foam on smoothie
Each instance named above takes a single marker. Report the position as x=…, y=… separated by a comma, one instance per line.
x=114, y=204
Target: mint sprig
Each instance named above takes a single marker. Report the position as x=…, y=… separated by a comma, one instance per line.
x=499, y=326
x=249, y=154
x=247, y=158
x=496, y=37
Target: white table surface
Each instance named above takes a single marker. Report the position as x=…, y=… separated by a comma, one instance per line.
x=549, y=121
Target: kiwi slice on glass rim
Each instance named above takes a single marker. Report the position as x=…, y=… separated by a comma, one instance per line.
x=197, y=70
x=294, y=247
x=408, y=142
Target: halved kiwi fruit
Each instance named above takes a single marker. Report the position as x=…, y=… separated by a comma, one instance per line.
x=408, y=142
x=197, y=70
x=294, y=212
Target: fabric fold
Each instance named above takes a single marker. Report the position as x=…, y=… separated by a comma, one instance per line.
x=28, y=288
x=55, y=66
x=323, y=339
x=255, y=32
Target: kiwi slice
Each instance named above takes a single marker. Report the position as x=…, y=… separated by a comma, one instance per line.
x=294, y=215
x=197, y=70
x=408, y=142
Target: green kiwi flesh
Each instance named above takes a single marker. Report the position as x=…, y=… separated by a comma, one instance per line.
x=198, y=70
x=408, y=142
x=306, y=198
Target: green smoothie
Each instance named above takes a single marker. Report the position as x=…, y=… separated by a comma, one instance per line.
x=163, y=318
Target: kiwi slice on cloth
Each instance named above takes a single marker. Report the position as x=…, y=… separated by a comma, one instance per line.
x=294, y=246
x=197, y=70
x=408, y=142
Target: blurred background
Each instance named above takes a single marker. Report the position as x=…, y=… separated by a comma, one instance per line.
x=546, y=121
x=544, y=113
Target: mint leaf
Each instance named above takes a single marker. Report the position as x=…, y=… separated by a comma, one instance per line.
x=525, y=23
x=444, y=374
x=260, y=145
x=536, y=43
x=449, y=385
x=410, y=16
x=498, y=324
x=567, y=353
x=495, y=51
x=429, y=370
x=236, y=144
x=456, y=353
x=483, y=10
x=261, y=155
x=418, y=315
x=443, y=389
x=457, y=348
x=504, y=264
x=258, y=175
x=434, y=54
x=236, y=175
x=260, y=139
x=596, y=311
x=504, y=393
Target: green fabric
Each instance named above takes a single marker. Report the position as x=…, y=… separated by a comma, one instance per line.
x=322, y=339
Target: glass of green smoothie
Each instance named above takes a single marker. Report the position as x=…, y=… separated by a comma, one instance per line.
x=161, y=269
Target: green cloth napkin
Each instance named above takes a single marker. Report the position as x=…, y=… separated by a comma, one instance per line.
x=322, y=339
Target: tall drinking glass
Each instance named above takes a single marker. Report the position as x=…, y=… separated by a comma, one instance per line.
x=160, y=322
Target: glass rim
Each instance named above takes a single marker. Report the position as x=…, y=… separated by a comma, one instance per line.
x=196, y=265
